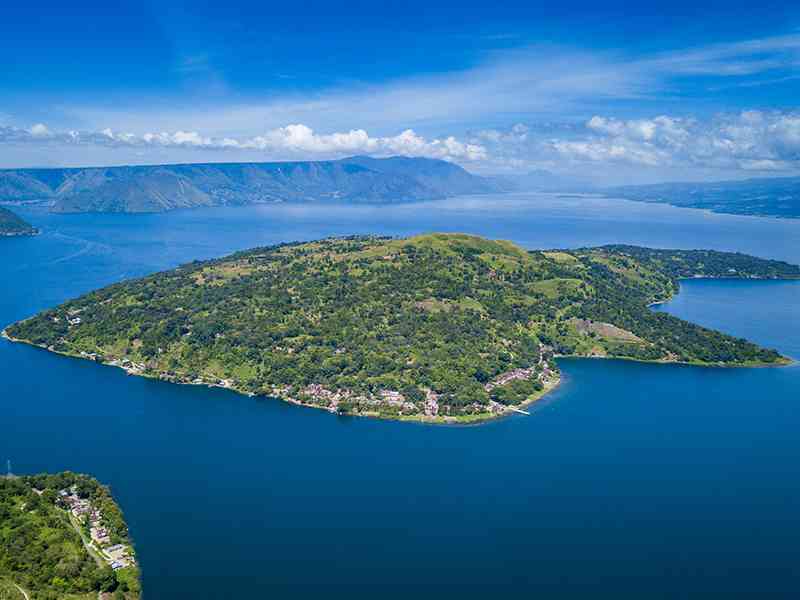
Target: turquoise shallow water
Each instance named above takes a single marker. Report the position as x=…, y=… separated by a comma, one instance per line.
x=631, y=480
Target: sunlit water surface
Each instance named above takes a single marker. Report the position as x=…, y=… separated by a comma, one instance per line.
x=630, y=481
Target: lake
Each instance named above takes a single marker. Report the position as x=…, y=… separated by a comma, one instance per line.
x=630, y=481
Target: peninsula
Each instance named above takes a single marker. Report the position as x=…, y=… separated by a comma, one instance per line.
x=438, y=327
x=63, y=536
x=765, y=197
x=12, y=225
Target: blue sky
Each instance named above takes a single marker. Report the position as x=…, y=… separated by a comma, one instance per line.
x=604, y=90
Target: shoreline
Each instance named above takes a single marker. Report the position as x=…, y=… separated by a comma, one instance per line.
x=787, y=361
x=713, y=278
x=16, y=234
x=473, y=419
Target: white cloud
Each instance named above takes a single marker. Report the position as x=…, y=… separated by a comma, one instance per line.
x=748, y=141
x=292, y=141
x=659, y=148
x=39, y=130
x=524, y=84
x=613, y=151
x=517, y=134
x=751, y=140
x=550, y=92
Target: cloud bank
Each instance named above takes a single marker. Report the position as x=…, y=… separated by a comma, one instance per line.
x=750, y=140
x=761, y=141
x=532, y=82
x=288, y=142
x=562, y=109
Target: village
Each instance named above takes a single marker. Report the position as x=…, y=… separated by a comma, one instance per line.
x=117, y=556
x=320, y=396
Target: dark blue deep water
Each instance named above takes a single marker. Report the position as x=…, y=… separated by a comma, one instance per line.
x=630, y=481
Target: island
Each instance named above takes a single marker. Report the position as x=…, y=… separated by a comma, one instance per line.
x=12, y=225
x=63, y=536
x=436, y=328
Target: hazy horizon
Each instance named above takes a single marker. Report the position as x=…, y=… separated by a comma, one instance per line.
x=677, y=93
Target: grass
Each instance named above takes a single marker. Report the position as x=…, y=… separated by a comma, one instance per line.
x=554, y=288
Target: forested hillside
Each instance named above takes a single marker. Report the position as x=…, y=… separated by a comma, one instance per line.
x=435, y=326
x=48, y=549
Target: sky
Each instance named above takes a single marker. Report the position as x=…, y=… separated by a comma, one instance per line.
x=612, y=92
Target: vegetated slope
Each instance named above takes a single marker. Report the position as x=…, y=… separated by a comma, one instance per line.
x=443, y=178
x=41, y=549
x=165, y=187
x=440, y=325
x=13, y=225
x=771, y=197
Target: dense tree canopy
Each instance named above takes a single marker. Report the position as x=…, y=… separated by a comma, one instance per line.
x=439, y=316
x=41, y=551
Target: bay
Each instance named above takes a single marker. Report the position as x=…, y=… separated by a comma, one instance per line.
x=632, y=480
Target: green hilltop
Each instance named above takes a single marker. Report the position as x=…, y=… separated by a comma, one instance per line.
x=434, y=327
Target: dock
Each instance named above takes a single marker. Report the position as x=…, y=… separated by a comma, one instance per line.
x=519, y=410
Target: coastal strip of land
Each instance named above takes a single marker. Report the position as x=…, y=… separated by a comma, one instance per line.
x=64, y=536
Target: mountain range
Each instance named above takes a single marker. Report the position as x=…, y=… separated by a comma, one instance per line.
x=359, y=179
x=159, y=188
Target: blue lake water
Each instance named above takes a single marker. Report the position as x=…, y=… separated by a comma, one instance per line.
x=630, y=481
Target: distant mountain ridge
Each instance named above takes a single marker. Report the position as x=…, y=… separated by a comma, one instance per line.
x=770, y=197
x=159, y=188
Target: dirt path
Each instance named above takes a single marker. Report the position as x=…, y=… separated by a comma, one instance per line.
x=23, y=592
x=93, y=552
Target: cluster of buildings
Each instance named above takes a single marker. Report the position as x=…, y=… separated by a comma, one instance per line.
x=510, y=376
x=331, y=399
x=324, y=396
x=72, y=318
x=130, y=367
x=319, y=395
x=117, y=556
x=79, y=507
x=431, y=403
x=120, y=556
x=545, y=372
